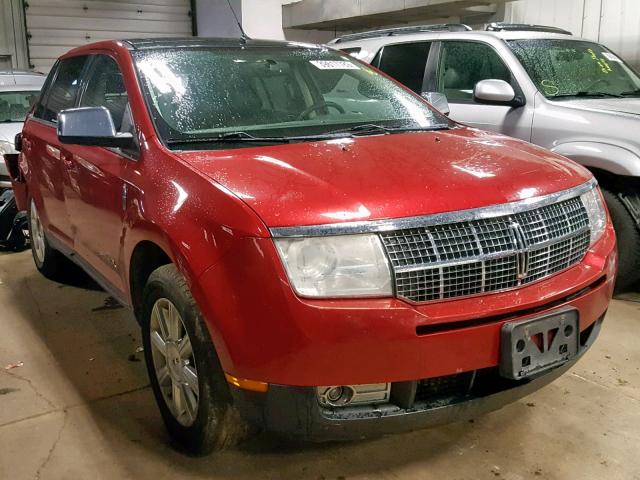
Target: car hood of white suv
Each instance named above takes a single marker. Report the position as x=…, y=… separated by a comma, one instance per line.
x=629, y=106
x=8, y=131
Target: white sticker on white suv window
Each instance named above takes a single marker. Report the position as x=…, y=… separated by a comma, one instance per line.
x=334, y=65
x=611, y=57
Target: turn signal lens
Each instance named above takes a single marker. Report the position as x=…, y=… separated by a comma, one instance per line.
x=244, y=384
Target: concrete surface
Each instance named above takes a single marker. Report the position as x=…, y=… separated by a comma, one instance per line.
x=80, y=407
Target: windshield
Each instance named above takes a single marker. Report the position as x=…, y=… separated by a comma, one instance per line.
x=269, y=92
x=14, y=106
x=573, y=68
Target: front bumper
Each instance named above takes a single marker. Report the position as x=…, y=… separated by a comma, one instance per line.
x=263, y=332
x=295, y=411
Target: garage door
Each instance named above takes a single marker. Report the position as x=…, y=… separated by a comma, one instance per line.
x=55, y=26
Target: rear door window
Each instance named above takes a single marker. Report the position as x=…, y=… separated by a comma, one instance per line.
x=64, y=89
x=464, y=64
x=405, y=62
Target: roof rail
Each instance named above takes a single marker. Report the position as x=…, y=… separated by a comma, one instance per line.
x=444, y=27
x=523, y=27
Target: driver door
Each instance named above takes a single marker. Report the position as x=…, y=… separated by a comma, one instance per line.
x=462, y=64
x=95, y=189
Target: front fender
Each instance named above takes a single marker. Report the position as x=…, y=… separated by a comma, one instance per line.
x=612, y=158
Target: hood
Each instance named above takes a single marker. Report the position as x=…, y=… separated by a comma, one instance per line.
x=8, y=131
x=629, y=106
x=387, y=176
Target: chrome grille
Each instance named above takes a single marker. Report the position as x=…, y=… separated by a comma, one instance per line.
x=438, y=262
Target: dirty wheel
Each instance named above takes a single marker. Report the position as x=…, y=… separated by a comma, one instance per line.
x=628, y=238
x=48, y=260
x=185, y=373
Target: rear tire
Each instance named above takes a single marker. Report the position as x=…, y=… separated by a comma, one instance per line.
x=186, y=377
x=48, y=260
x=628, y=237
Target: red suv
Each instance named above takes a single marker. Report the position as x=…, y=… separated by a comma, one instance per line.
x=307, y=245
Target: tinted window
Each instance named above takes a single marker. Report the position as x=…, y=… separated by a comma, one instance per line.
x=40, y=108
x=64, y=89
x=105, y=88
x=463, y=64
x=406, y=63
x=14, y=106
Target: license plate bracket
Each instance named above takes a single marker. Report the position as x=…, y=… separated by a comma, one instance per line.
x=531, y=346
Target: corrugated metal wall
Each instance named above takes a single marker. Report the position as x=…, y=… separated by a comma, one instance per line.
x=615, y=23
x=13, y=45
x=55, y=26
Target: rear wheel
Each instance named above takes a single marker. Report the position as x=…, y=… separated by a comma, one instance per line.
x=628, y=237
x=184, y=370
x=48, y=260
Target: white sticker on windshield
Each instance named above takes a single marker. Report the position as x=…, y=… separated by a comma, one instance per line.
x=334, y=65
x=611, y=57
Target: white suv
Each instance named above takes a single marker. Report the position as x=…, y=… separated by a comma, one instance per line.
x=541, y=84
x=18, y=91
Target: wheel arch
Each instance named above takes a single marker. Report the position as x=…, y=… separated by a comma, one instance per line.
x=601, y=157
x=146, y=257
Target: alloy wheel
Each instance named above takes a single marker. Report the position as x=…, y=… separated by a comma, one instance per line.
x=37, y=232
x=174, y=362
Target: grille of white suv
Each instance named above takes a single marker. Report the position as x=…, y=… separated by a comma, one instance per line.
x=487, y=255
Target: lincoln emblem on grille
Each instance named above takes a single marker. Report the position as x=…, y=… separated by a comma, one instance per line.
x=521, y=245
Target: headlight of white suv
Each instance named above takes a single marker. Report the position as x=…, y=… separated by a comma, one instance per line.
x=592, y=201
x=6, y=147
x=336, y=266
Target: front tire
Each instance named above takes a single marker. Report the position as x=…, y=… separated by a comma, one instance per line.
x=628, y=237
x=48, y=260
x=184, y=370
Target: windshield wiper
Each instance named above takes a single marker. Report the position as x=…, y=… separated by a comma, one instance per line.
x=227, y=137
x=373, y=129
x=631, y=93
x=588, y=94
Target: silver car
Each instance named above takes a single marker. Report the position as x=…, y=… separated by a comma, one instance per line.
x=541, y=84
x=18, y=91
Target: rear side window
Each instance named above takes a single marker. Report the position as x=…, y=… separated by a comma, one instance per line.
x=405, y=62
x=463, y=64
x=62, y=93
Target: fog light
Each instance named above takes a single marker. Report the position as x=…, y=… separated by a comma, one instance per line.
x=335, y=394
x=343, y=395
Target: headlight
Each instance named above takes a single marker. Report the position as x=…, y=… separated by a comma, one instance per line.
x=592, y=201
x=6, y=147
x=336, y=266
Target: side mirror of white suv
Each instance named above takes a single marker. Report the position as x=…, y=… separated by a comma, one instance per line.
x=438, y=101
x=496, y=92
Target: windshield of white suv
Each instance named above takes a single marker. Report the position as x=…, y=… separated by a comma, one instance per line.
x=275, y=94
x=14, y=106
x=575, y=68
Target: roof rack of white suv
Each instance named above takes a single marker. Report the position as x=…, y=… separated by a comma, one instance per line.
x=522, y=27
x=444, y=27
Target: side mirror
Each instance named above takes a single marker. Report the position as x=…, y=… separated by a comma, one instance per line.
x=438, y=100
x=496, y=92
x=92, y=126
